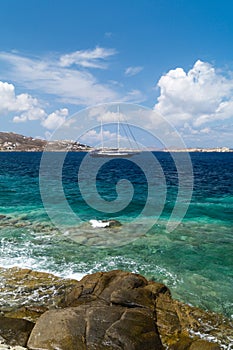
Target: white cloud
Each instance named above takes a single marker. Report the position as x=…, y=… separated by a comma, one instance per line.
x=20, y=119
x=10, y=102
x=68, y=84
x=64, y=78
x=26, y=108
x=87, y=58
x=55, y=119
x=130, y=71
x=199, y=98
x=33, y=113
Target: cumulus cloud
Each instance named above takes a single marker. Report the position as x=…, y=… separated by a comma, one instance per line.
x=130, y=71
x=24, y=105
x=9, y=101
x=33, y=113
x=25, y=108
x=55, y=119
x=200, y=96
x=87, y=58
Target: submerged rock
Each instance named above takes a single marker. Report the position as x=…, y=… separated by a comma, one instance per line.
x=114, y=223
x=115, y=310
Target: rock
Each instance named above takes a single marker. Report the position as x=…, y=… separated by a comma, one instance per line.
x=182, y=344
x=2, y=217
x=168, y=321
x=204, y=345
x=100, y=286
x=7, y=347
x=104, y=223
x=37, y=291
x=59, y=329
x=111, y=319
x=95, y=327
x=15, y=331
x=118, y=310
x=186, y=343
x=110, y=310
x=114, y=223
x=136, y=329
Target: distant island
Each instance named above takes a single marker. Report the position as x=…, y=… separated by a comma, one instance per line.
x=213, y=149
x=10, y=141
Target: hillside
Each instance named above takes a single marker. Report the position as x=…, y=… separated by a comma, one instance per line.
x=10, y=141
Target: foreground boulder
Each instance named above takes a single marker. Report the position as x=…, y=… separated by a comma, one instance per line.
x=115, y=310
x=95, y=327
x=99, y=313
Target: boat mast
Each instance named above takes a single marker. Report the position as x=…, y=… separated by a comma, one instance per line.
x=101, y=134
x=118, y=128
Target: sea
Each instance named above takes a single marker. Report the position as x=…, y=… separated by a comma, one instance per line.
x=47, y=216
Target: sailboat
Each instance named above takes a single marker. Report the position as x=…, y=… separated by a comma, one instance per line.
x=114, y=152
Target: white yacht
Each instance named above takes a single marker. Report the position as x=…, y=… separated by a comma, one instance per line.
x=115, y=152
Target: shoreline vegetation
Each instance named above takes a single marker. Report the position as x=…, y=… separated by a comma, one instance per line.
x=104, y=310
x=10, y=141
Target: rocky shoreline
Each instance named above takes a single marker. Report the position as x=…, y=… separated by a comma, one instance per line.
x=105, y=310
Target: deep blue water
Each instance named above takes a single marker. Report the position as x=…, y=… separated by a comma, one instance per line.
x=195, y=260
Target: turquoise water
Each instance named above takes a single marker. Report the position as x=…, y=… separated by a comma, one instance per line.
x=195, y=260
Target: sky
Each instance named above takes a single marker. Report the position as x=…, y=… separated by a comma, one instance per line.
x=172, y=56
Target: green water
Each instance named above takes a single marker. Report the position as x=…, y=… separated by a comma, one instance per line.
x=195, y=260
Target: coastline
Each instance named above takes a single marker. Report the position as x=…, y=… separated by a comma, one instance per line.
x=11, y=142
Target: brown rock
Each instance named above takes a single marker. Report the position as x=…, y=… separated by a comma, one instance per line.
x=59, y=329
x=84, y=327
x=110, y=310
x=136, y=330
x=117, y=310
x=99, y=320
x=15, y=331
x=182, y=344
x=102, y=285
x=37, y=291
x=31, y=313
x=168, y=322
x=113, y=223
x=203, y=345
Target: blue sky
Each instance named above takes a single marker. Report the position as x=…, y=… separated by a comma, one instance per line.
x=174, y=56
